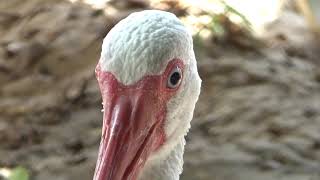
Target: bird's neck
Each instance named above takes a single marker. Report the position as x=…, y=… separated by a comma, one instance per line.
x=168, y=167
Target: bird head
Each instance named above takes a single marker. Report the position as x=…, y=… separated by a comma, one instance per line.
x=149, y=84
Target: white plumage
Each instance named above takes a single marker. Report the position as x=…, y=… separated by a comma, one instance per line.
x=143, y=44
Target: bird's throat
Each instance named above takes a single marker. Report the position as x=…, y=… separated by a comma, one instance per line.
x=166, y=164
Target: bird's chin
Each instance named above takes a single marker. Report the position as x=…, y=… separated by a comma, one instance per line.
x=120, y=160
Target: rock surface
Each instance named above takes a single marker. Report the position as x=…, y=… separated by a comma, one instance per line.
x=258, y=117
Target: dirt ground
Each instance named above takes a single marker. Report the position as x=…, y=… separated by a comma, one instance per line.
x=258, y=117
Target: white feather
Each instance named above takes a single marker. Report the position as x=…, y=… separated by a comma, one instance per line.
x=143, y=44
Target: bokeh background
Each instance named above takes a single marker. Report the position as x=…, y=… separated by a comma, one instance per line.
x=258, y=117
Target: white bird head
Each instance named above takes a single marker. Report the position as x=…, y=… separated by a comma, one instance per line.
x=149, y=83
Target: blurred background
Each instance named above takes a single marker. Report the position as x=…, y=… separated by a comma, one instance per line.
x=258, y=117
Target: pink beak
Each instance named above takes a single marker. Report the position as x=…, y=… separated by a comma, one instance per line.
x=132, y=125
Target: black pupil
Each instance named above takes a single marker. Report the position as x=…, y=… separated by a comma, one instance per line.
x=175, y=78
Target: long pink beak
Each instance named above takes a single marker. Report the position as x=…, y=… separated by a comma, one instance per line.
x=132, y=126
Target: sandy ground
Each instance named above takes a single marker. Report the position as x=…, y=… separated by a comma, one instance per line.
x=258, y=117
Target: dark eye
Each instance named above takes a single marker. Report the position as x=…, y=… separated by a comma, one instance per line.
x=174, y=78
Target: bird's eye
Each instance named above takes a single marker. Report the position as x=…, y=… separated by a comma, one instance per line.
x=174, y=78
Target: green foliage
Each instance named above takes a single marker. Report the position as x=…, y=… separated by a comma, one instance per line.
x=231, y=10
x=19, y=173
x=219, y=24
x=216, y=26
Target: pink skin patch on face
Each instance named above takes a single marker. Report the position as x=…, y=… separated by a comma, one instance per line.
x=133, y=122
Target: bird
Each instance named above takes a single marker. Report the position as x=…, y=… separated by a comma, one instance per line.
x=149, y=83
